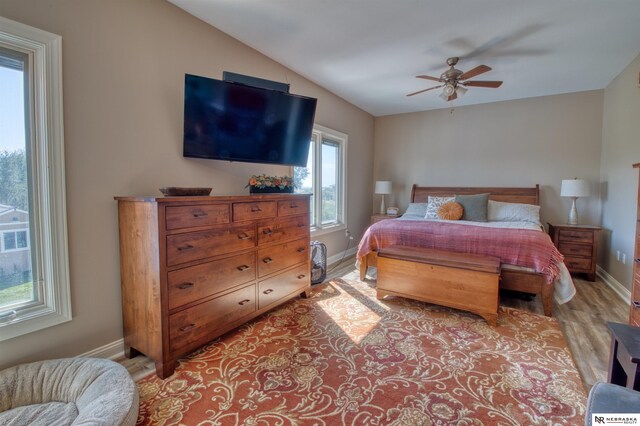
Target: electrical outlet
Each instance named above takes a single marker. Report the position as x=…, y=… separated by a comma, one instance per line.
x=624, y=259
x=347, y=234
x=618, y=255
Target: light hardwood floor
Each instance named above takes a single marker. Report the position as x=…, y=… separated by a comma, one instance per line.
x=583, y=321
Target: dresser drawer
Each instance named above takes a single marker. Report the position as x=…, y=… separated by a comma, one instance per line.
x=252, y=211
x=273, y=259
x=192, y=216
x=578, y=264
x=293, y=207
x=275, y=288
x=273, y=231
x=191, y=246
x=575, y=236
x=189, y=329
x=191, y=284
x=579, y=250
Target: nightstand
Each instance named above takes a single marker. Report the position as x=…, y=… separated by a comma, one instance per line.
x=579, y=245
x=378, y=217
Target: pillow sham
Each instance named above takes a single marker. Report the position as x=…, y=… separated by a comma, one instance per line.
x=475, y=206
x=416, y=209
x=513, y=212
x=433, y=204
x=451, y=211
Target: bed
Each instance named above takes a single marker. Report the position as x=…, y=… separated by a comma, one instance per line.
x=513, y=277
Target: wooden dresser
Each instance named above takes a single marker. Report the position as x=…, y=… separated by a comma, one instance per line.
x=193, y=268
x=579, y=245
x=634, y=315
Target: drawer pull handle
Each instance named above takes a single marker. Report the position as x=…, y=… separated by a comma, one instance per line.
x=638, y=260
x=185, y=286
x=255, y=209
x=301, y=249
x=267, y=291
x=301, y=276
x=300, y=225
x=244, y=236
x=242, y=302
x=293, y=206
x=242, y=268
x=267, y=231
x=199, y=213
x=636, y=304
x=267, y=260
x=188, y=327
x=185, y=247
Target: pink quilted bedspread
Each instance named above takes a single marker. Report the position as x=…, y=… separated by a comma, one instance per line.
x=521, y=247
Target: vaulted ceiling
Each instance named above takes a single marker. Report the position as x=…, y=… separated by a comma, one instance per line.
x=369, y=51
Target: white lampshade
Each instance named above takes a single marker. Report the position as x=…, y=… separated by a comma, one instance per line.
x=383, y=187
x=574, y=188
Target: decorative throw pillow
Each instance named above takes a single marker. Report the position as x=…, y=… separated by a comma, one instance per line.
x=416, y=209
x=475, y=206
x=433, y=204
x=513, y=212
x=451, y=211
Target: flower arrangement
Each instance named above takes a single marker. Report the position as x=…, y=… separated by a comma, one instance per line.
x=282, y=183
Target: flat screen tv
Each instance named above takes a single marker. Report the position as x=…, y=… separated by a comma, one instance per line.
x=235, y=122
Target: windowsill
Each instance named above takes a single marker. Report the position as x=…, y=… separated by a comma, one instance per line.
x=316, y=232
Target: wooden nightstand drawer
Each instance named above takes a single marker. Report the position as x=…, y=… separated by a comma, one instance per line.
x=578, y=264
x=579, y=250
x=575, y=236
x=378, y=217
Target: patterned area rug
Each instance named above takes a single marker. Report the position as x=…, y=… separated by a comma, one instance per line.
x=343, y=357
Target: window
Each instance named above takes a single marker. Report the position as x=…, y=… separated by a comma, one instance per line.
x=34, y=271
x=11, y=241
x=325, y=178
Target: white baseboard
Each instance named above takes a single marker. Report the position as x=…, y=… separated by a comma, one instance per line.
x=111, y=351
x=614, y=284
x=337, y=257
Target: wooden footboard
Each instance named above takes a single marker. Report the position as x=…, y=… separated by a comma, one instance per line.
x=527, y=282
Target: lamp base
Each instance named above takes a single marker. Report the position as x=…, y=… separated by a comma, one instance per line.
x=573, y=213
x=383, y=209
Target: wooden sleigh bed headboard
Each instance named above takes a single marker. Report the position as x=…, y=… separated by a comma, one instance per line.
x=420, y=194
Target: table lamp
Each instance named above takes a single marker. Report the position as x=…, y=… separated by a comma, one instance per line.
x=574, y=188
x=383, y=187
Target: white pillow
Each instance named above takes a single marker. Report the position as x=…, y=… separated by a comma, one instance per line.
x=513, y=212
x=416, y=209
x=434, y=204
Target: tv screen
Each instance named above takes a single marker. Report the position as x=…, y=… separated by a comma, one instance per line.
x=235, y=122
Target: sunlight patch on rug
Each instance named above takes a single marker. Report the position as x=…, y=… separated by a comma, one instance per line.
x=343, y=357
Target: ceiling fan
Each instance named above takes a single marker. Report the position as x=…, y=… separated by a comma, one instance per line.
x=455, y=81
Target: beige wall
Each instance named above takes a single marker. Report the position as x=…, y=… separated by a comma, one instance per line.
x=620, y=149
x=124, y=64
x=514, y=143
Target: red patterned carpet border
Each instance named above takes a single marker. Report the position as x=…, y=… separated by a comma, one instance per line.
x=343, y=357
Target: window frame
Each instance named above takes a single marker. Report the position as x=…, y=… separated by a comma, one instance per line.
x=47, y=215
x=319, y=134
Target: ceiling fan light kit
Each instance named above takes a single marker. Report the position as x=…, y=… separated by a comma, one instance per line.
x=454, y=80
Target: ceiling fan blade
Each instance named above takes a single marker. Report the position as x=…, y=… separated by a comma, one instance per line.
x=475, y=71
x=425, y=90
x=492, y=84
x=428, y=77
x=452, y=97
